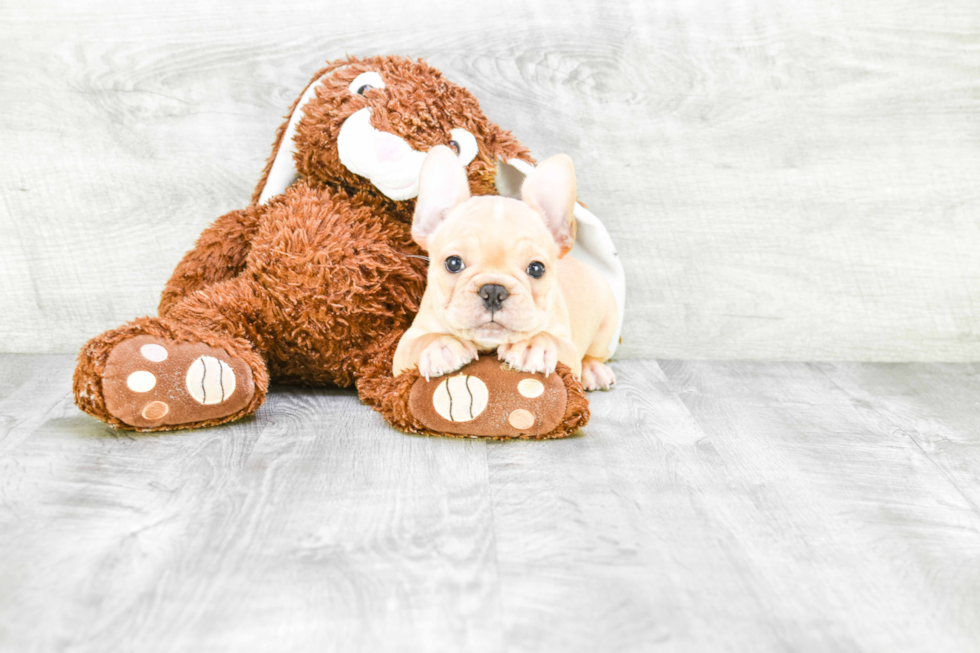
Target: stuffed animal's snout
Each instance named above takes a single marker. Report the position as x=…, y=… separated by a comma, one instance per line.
x=390, y=148
x=493, y=296
x=386, y=159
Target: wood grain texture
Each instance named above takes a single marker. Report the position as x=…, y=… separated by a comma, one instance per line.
x=708, y=506
x=205, y=541
x=785, y=180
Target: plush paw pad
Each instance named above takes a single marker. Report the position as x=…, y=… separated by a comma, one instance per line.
x=460, y=398
x=489, y=399
x=210, y=380
x=150, y=381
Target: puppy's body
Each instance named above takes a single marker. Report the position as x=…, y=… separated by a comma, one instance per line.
x=592, y=311
x=498, y=280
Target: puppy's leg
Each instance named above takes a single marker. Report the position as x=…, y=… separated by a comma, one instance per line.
x=536, y=354
x=444, y=354
x=596, y=375
x=540, y=353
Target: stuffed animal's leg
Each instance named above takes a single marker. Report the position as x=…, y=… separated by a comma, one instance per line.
x=218, y=255
x=486, y=398
x=199, y=366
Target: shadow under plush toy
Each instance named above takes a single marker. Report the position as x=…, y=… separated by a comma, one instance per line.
x=315, y=282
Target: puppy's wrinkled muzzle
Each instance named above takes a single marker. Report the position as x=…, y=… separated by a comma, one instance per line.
x=493, y=296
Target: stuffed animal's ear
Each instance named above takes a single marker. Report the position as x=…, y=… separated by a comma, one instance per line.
x=442, y=187
x=550, y=190
x=510, y=175
x=280, y=168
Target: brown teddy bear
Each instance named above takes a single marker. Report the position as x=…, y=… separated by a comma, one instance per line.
x=317, y=279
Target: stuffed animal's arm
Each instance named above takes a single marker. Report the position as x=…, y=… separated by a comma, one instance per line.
x=218, y=255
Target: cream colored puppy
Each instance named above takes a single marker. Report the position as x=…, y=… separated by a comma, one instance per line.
x=499, y=278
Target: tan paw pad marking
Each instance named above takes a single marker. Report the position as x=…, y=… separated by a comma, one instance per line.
x=530, y=388
x=141, y=381
x=521, y=419
x=155, y=410
x=210, y=381
x=460, y=398
x=154, y=352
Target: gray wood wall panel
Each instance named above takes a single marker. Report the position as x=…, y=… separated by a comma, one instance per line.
x=785, y=180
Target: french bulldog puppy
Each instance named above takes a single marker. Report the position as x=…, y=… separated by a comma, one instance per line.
x=499, y=279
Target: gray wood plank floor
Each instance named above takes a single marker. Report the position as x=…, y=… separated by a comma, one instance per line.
x=708, y=506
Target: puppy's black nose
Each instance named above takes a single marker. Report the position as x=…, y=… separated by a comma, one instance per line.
x=493, y=295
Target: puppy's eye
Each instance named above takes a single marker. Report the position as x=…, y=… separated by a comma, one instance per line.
x=536, y=269
x=455, y=146
x=454, y=264
x=365, y=82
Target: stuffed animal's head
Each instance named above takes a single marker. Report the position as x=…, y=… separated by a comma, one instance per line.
x=366, y=124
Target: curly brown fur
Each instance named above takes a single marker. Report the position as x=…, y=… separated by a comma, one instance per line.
x=317, y=285
x=418, y=104
x=218, y=255
x=335, y=276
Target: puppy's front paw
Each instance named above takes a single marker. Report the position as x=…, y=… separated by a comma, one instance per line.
x=536, y=354
x=596, y=375
x=445, y=354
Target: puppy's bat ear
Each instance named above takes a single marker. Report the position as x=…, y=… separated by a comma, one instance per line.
x=550, y=190
x=442, y=187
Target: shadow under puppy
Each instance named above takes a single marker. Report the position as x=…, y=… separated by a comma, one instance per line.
x=499, y=278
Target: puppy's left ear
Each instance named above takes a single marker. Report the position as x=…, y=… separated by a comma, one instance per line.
x=550, y=190
x=442, y=187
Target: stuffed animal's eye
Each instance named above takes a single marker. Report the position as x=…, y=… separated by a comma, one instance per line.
x=536, y=269
x=365, y=82
x=454, y=264
x=465, y=145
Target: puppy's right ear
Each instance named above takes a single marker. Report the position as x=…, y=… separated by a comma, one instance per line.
x=442, y=187
x=550, y=189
